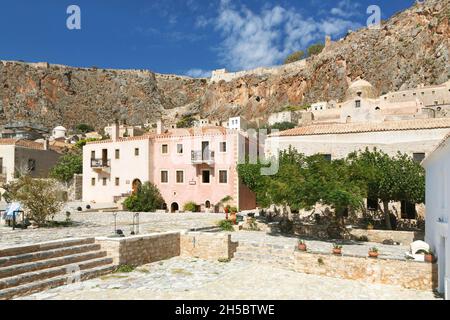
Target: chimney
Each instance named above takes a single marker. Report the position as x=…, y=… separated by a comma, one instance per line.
x=46, y=144
x=159, y=127
x=115, y=132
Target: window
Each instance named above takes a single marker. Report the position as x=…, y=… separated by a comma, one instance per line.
x=31, y=164
x=358, y=104
x=93, y=182
x=117, y=181
x=223, y=146
x=418, y=157
x=117, y=154
x=164, y=176
x=164, y=149
x=206, y=176
x=223, y=176
x=180, y=176
x=93, y=154
x=327, y=157
x=104, y=181
x=180, y=148
x=372, y=204
x=136, y=151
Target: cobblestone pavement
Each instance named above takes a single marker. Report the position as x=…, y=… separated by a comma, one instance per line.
x=102, y=224
x=190, y=278
x=350, y=248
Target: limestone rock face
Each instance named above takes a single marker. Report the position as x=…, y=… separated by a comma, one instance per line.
x=410, y=49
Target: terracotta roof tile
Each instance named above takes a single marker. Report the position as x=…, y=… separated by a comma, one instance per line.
x=345, y=128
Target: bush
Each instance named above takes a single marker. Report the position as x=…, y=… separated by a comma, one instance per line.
x=315, y=49
x=84, y=128
x=147, y=199
x=124, y=269
x=39, y=198
x=67, y=166
x=190, y=206
x=226, y=225
x=296, y=56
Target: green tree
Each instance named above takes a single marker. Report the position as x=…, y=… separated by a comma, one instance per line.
x=283, y=126
x=67, y=166
x=397, y=178
x=315, y=49
x=83, y=128
x=147, y=199
x=296, y=56
x=39, y=197
x=186, y=122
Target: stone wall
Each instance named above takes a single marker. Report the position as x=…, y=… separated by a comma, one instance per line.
x=408, y=274
x=139, y=250
x=143, y=249
x=403, y=237
x=207, y=246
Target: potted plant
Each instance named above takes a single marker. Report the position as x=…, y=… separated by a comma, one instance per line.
x=373, y=252
x=337, y=249
x=429, y=257
x=301, y=245
x=227, y=211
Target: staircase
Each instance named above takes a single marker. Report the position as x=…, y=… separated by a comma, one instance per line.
x=276, y=255
x=29, y=269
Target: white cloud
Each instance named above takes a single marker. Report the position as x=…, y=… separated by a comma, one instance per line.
x=346, y=9
x=199, y=73
x=254, y=39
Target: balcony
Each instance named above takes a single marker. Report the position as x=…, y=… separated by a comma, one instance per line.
x=201, y=157
x=100, y=164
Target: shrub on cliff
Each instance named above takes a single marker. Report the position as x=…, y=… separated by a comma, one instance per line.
x=146, y=199
x=296, y=56
x=315, y=49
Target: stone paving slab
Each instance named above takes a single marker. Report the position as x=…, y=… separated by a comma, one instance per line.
x=190, y=278
x=96, y=224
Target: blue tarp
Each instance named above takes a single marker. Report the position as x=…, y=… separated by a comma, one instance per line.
x=14, y=207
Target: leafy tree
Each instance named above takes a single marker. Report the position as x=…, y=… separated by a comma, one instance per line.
x=146, y=199
x=39, y=197
x=283, y=126
x=67, y=166
x=388, y=178
x=186, y=122
x=315, y=49
x=83, y=128
x=190, y=206
x=296, y=56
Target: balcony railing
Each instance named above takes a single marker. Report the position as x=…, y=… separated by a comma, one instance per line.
x=100, y=163
x=199, y=157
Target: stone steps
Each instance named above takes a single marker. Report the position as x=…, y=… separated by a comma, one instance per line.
x=49, y=263
x=50, y=283
x=51, y=272
x=32, y=268
x=267, y=254
x=18, y=250
x=47, y=254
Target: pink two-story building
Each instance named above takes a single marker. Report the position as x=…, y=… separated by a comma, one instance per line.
x=187, y=165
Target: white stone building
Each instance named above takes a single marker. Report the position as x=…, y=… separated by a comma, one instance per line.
x=285, y=116
x=437, y=233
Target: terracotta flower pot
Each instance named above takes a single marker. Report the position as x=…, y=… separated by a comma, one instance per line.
x=302, y=247
x=429, y=258
x=337, y=251
x=233, y=217
x=373, y=254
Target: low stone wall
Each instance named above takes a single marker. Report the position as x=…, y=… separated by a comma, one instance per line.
x=143, y=249
x=377, y=236
x=408, y=274
x=139, y=250
x=403, y=237
x=207, y=246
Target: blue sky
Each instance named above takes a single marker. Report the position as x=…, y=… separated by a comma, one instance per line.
x=176, y=36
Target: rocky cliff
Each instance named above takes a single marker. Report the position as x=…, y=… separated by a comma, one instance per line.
x=411, y=48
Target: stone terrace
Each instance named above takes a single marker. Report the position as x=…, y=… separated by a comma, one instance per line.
x=96, y=224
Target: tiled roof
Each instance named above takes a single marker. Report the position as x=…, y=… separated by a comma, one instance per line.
x=419, y=124
x=22, y=143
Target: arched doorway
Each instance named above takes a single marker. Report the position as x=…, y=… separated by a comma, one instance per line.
x=136, y=185
x=174, y=207
x=349, y=119
x=164, y=206
x=207, y=204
